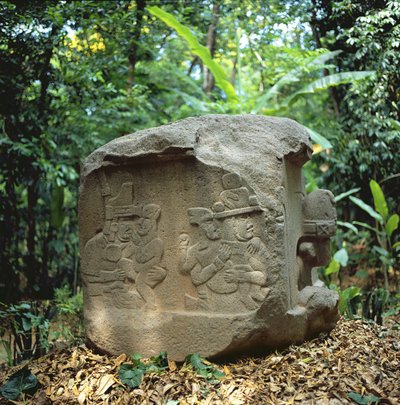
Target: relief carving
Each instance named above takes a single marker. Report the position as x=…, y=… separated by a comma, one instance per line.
x=229, y=260
x=122, y=263
x=225, y=263
x=319, y=225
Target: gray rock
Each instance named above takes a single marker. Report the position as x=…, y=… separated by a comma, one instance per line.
x=197, y=236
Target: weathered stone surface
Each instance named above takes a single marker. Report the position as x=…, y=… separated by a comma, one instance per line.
x=198, y=237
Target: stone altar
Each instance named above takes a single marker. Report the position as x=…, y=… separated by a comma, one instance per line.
x=198, y=236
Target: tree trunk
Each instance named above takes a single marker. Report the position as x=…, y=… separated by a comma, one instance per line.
x=209, y=82
x=317, y=37
x=45, y=73
x=9, y=245
x=134, y=46
x=32, y=268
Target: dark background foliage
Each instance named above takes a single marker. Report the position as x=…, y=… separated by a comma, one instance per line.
x=74, y=75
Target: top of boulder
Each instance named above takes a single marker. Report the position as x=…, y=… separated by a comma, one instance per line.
x=209, y=137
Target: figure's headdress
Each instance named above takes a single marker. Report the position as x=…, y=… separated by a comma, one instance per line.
x=121, y=206
x=199, y=215
x=235, y=199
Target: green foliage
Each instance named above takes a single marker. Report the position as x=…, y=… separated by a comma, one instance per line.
x=57, y=214
x=27, y=325
x=375, y=303
x=307, y=66
x=379, y=199
x=384, y=228
x=325, y=82
x=21, y=382
x=340, y=258
x=346, y=194
x=369, y=35
x=201, y=51
x=131, y=374
x=203, y=367
x=349, y=300
x=363, y=399
x=367, y=208
x=68, y=323
x=268, y=102
x=75, y=75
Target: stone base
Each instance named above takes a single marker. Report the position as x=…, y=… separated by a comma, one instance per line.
x=211, y=335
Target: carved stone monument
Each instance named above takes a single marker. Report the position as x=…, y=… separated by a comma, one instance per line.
x=198, y=236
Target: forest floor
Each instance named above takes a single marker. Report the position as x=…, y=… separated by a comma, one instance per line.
x=357, y=362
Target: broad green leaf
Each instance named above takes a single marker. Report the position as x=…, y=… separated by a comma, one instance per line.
x=394, y=123
x=333, y=267
x=26, y=323
x=318, y=138
x=324, y=57
x=221, y=80
x=136, y=360
x=396, y=245
x=342, y=257
x=203, y=367
x=325, y=82
x=362, y=274
x=159, y=362
x=364, y=225
x=346, y=194
x=379, y=199
x=345, y=297
x=293, y=76
x=352, y=292
x=380, y=250
x=130, y=375
x=273, y=91
x=196, y=361
x=392, y=224
x=367, y=208
x=23, y=381
x=348, y=225
x=363, y=399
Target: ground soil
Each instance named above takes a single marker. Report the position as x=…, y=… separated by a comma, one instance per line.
x=358, y=362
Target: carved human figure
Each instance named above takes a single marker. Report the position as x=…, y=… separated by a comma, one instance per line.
x=249, y=262
x=107, y=260
x=149, y=254
x=143, y=267
x=205, y=258
x=106, y=254
x=234, y=265
x=122, y=262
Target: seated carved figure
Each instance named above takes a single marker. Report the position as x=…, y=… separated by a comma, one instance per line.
x=235, y=265
x=206, y=258
x=122, y=261
x=250, y=275
x=143, y=268
x=104, y=254
x=149, y=255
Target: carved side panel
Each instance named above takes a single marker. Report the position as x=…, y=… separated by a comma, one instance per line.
x=122, y=263
x=229, y=263
x=180, y=237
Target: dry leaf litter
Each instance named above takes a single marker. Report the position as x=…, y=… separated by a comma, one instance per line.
x=358, y=357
